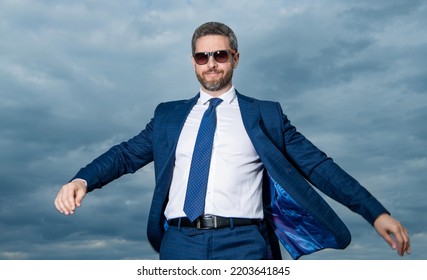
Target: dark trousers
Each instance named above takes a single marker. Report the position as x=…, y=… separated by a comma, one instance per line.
x=232, y=243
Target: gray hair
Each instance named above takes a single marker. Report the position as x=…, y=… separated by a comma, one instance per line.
x=214, y=28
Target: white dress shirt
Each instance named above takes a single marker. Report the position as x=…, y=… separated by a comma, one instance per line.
x=235, y=176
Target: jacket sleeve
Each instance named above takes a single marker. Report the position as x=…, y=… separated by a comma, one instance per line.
x=126, y=157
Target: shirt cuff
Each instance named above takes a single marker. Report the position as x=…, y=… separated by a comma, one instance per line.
x=81, y=180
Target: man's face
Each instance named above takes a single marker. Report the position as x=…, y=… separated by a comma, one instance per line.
x=215, y=77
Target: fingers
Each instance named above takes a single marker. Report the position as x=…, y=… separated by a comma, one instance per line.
x=64, y=201
x=70, y=197
x=408, y=243
x=403, y=242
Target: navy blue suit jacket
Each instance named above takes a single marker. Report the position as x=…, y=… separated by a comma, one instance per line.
x=300, y=218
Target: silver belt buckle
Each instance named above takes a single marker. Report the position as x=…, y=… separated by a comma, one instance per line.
x=212, y=218
x=215, y=221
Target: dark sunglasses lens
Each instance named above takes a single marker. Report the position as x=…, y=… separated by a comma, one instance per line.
x=221, y=56
x=201, y=58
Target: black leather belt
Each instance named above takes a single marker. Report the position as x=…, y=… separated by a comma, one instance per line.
x=213, y=222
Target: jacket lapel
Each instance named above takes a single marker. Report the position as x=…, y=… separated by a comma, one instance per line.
x=176, y=119
x=172, y=123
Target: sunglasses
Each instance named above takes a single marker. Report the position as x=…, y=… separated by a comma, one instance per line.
x=220, y=56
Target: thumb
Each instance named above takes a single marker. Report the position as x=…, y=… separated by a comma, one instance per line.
x=80, y=194
x=388, y=238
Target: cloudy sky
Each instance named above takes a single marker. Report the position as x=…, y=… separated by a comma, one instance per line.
x=77, y=77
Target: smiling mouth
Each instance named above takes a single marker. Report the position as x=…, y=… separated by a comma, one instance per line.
x=212, y=73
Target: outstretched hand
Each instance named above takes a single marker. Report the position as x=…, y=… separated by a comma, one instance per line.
x=393, y=233
x=70, y=196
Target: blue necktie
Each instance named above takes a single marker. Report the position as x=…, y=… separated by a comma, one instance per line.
x=194, y=205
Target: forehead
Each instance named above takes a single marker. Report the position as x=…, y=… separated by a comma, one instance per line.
x=210, y=43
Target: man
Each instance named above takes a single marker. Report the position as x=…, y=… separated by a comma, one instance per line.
x=231, y=173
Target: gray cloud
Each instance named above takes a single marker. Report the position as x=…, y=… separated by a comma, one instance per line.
x=77, y=78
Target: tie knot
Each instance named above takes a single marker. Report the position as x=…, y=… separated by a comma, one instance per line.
x=213, y=102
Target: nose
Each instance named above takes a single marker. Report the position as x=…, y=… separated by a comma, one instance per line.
x=212, y=63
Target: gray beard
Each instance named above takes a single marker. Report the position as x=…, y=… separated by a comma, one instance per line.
x=216, y=85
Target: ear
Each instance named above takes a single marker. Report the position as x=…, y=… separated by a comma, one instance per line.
x=236, y=58
x=193, y=62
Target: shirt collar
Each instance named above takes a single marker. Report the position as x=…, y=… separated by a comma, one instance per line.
x=227, y=97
